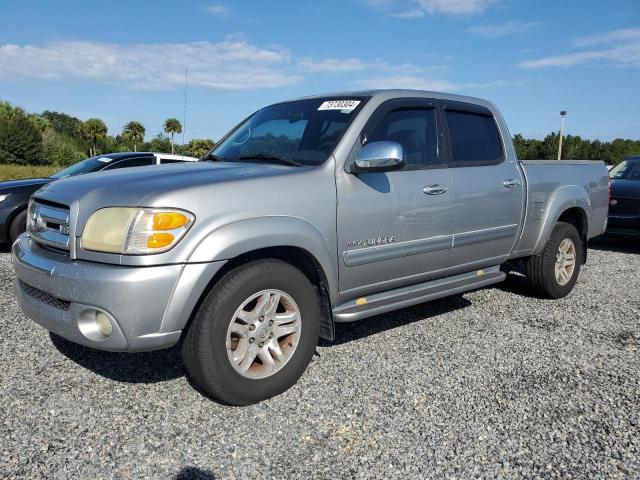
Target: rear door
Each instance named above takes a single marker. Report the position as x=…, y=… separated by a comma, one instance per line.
x=394, y=228
x=488, y=186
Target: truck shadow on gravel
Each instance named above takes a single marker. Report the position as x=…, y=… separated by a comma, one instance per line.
x=147, y=367
x=618, y=244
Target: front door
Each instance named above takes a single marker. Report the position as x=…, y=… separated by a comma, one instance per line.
x=394, y=228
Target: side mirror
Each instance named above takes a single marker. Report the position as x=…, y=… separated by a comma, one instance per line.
x=379, y=157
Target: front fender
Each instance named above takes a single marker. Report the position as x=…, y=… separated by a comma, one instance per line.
x=570, y=196
x=241, y=237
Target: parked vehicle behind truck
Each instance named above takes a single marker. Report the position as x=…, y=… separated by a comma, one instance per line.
x=314, y=211
x=14, y=195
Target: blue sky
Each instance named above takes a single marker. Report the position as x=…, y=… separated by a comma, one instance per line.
x=124, y=61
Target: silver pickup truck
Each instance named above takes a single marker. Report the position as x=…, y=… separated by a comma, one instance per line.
x=325, y=209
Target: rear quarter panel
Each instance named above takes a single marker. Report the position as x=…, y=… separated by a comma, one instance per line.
x=552, y=188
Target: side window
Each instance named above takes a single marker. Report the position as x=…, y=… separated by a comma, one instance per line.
x=474, y=138
x=132, y=162
x=414, y=129
x=170, y=160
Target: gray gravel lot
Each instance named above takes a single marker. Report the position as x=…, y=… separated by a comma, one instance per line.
x=493, y=383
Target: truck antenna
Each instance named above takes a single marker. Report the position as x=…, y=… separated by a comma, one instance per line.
x=184, y=116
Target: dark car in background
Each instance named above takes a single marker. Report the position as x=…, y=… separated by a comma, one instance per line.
x=624, y=204
x=14, y=195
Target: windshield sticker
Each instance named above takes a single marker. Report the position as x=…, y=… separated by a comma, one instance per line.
x=346, y=106
x=104, y=159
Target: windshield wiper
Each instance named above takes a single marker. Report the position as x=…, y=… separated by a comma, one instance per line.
x=270, y=158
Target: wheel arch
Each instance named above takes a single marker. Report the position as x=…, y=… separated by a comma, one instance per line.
x=288, y=239
x=569, y=204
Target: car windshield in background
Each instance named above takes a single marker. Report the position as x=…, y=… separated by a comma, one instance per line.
x=89, y=165
x=627, y=169
x=302, y=132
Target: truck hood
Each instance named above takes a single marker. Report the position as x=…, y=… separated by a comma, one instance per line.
x=130, y=186
x=625, y=188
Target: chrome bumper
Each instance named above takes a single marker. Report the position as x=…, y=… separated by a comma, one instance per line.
x=148, y=306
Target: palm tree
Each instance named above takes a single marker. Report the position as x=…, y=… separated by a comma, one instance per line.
x=92, y=130
x=172, y=126
x=134, y=132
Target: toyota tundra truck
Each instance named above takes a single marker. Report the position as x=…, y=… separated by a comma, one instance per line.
x=325, y=209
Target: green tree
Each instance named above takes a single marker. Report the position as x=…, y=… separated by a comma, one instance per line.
x=172, y=126
x=93, y=130
x=60, y=149
x=38, y=121
x=159, y=143
x=63, y=123
x=133, y=132
x=197, y=147
x=20, y=141
x=9, y=111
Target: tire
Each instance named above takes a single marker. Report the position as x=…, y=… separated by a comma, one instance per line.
x=541, y=269
x=207, y=347
x=18, y=226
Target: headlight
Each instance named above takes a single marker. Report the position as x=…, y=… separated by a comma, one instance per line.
x=4, y=197
x=135, y=230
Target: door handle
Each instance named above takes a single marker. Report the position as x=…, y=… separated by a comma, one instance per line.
x=511, y=183
x=434, y=189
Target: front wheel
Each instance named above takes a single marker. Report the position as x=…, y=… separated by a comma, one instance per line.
x=254, y=334
x=555, y=270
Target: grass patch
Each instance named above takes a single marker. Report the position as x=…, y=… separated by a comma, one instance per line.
x=16, y=172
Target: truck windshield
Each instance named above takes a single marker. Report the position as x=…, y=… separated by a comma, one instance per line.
x=627, y=169
x=298, y=133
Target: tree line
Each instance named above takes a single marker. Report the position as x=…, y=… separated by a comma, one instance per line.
x=54, y=138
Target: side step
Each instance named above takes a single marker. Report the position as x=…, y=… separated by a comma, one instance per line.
x=390, y=300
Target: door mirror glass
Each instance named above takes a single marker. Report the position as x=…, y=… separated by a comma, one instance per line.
x=379, y=157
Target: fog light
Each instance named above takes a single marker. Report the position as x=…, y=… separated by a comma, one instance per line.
x=104, y=324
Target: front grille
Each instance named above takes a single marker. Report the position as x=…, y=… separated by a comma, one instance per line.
x=48, y=224
x=44, y=297
x=624, y=207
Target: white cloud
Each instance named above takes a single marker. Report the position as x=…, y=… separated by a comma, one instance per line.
x=420, y=8
x=626, y=34
x=333, y=65
x=619, y=48
x=226, y=65
x=502, y=30
x=218, y=10
x=432, y=84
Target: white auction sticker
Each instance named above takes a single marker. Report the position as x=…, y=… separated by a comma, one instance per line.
x=344, y=105
x=105, y=159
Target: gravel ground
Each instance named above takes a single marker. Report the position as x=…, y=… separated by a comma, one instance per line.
x=493, y=383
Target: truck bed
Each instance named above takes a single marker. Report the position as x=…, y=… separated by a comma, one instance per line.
x=547, y=182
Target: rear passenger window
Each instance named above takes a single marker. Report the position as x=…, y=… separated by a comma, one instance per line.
x=170, y=160
x=415, y=130
x=132, y=162
x=474, y=138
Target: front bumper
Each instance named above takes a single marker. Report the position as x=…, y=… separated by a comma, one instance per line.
x=148, y=306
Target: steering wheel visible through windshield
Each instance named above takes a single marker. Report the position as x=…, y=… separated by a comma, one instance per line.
x=302, y=132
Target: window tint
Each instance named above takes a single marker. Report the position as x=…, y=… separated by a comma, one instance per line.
x=474, y=137
x=415, y=130
x=132, y=162
x=170, y=160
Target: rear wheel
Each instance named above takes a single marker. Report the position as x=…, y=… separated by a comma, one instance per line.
x=18, y=226
x=254, y=334
x=555, y=270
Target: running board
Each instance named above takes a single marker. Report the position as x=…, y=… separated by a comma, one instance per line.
x=390, y=300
